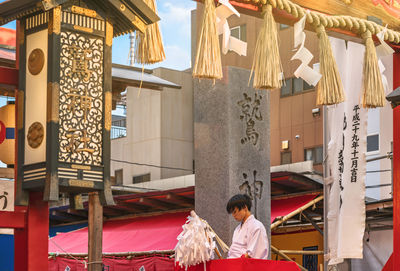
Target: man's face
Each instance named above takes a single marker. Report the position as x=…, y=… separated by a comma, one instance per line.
x=239, y=215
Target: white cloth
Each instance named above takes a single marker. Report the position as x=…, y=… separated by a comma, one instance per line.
x=346, y=157
x=250, y=238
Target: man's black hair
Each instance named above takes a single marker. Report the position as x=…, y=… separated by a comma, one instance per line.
x=239, y=201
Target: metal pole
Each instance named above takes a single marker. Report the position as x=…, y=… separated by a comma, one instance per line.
x=326, y=196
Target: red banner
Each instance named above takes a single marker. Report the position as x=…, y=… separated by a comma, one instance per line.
x=242, y=264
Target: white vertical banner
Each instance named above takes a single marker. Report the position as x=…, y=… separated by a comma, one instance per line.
x=346, y=157
x=6, y=195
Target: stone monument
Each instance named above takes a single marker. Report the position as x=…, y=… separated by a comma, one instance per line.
x=231, y=134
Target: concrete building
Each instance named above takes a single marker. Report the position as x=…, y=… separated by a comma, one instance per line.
x=159, y=131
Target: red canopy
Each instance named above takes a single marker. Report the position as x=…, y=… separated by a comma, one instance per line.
x=243, y=264
x=282, y=207
x=153, y=233
x=128, y=235
x=7, y=36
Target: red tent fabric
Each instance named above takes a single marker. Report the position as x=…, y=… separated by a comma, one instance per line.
x=153, y=233
x=282, y=207
x=7, y=36
x=128, y=235
x=242, y=264
x=154, y=263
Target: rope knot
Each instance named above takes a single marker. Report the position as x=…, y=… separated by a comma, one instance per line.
x=320, y=29
x=366, y=35
x=272, y=3
x=266, y=8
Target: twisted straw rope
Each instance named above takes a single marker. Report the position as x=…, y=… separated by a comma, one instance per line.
x=353, y=24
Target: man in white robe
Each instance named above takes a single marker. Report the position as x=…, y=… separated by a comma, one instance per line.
x=250, y=237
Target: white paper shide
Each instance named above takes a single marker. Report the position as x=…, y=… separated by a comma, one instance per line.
x=195, y=243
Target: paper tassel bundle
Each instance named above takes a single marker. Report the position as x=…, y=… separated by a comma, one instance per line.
x=195, y=243
x=373, y=92
x=208, y=56
x=149, y=45
x=330, y=88
x=267, y=66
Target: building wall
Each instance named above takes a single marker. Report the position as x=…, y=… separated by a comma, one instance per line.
x=380, y=122
x=298, y=241
x=142, y=143
x=159, y=130
x=176, y=123
x=290, y=115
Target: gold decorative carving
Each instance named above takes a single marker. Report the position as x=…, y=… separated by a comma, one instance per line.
x=35, y=135
x=109, y=33
x=107, y=110
x=84, y=11
x=84, y=29
x=55, y=21
x=81, y=183
x=53, y=93
x=139, y=24
x=81, y=99
x=75, y=166
x=122, y=7
x=20, y=108
x=36, y=61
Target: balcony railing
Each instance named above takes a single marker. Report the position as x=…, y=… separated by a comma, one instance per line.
x=118, y=132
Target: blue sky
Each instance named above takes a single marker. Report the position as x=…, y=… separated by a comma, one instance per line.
x=175, y=29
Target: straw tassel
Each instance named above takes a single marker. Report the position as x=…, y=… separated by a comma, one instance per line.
x=267, y=66
x=208, y=56
x=149, y=45
x=373, y=92
x=330, y=88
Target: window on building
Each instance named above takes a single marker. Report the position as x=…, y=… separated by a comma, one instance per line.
x=119, y=177
x=310, y=262
x=306, y=86
x=297, y=85
x=294, y=86
x=141, y=178
x=286, y=158
x=314, y=154
x=239, y=32
x=286, y=88
x=373, y=143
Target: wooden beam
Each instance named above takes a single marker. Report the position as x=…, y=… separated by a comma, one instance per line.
x=309, y=219
x=156, y=204
x=133, y=206
x=181, y=200
x=65, y=214
x=285, y=218
x=8, y=76
x=7, y=173
x=14, y=220
x=31, y=243
x=283, y=255
x=79, y=213
x=302, y=252
x=95, y=227
x=396, y=167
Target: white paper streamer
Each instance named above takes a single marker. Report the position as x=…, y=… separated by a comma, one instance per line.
x=195, y=243
x=383, y=50
x=304, y=71
x=224, y=11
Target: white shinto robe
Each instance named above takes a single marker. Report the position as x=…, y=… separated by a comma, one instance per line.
x=250, y=238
